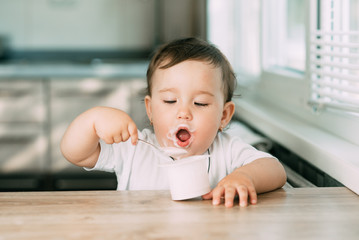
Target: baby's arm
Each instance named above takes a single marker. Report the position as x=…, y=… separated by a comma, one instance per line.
x=261, y=175
x=80, y=143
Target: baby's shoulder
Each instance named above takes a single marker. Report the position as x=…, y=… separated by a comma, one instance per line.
x=228, y=141
x=225, y=137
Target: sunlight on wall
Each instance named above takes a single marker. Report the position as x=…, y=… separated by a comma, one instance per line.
x=234, y=27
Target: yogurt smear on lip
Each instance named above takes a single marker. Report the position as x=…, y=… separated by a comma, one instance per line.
x=173, y=132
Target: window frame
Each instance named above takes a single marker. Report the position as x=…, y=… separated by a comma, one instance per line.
x=291, y=91
x=275, y=103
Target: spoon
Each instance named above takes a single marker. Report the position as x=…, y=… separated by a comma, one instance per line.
x=169, y=151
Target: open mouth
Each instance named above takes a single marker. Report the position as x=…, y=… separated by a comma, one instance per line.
x=183, y=137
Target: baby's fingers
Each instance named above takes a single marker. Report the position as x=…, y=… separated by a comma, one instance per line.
x=252, y=195
x=217, y=194
x=117, y=139
x=244, y=193
x=230, y=194
x=207, y=196
x=132, y=129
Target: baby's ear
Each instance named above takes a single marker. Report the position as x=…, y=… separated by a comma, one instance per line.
x=227, y=113
x=148, y=107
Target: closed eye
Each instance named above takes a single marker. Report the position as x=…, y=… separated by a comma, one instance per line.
x=201, y=104
x=169, y=101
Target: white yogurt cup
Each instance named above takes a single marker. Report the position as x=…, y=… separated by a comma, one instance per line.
x=188, y=177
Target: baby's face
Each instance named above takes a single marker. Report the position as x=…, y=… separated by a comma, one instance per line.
x=187, y=105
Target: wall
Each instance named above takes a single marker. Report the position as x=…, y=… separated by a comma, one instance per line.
x=40, y=25
x=78, y=24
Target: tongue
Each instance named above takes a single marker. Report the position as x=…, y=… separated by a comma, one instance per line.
x=183, y=135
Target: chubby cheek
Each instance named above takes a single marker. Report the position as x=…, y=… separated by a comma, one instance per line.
x=205, y=135
x=161, y=135
x=161, y=128
x=206, y=131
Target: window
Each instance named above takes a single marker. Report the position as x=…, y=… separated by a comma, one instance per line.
x=233, y=25
x=284, y=34
x=334, y=60
x=309, y=52
x=295, y=55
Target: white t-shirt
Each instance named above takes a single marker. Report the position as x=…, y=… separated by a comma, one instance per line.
x=137, y=167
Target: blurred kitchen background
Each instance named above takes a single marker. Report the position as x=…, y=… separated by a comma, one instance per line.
x=61, y=57
x=294, y=61
x=80, y=30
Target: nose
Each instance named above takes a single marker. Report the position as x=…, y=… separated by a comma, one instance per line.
x=184, y=113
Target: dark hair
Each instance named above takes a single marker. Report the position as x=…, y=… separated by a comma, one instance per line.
x=192, y=49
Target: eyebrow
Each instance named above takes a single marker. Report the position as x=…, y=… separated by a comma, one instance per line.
x=174, y=90
x=167, y=90
x=206, y=93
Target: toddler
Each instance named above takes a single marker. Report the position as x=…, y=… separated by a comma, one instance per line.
x=190, y=85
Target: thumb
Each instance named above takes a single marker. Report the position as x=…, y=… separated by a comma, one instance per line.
x=132, y=129
x=207, y=196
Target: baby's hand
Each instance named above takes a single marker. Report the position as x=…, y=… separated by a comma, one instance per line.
x=235, y=184
x=114, y=126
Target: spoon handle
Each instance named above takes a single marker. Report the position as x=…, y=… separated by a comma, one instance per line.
x=150, y=144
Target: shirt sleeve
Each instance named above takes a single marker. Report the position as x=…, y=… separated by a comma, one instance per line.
x=243, y=153
x=113, y=156
x=106, y=159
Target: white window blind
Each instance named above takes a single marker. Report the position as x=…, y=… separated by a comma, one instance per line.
x=334, y=56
